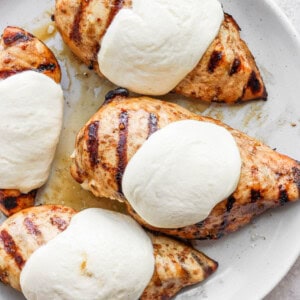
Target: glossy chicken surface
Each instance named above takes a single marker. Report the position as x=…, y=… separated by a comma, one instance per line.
x=113, y=135
x=226, y=73
x=21, y=51
x=176, y=264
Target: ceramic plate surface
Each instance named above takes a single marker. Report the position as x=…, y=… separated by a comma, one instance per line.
x=253, y=260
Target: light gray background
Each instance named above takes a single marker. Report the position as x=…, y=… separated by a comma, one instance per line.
x=289, y=287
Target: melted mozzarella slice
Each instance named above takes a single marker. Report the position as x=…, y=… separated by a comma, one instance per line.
x=181, y=172
x=31, y=112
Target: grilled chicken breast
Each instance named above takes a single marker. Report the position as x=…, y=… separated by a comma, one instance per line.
x=176, y=264
x=21, y=51
x=114, y=134
x=226, y=73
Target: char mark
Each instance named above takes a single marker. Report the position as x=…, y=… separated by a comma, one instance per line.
x=253, y=83
x=184, y=270
x=31, y=227
x=11, y=248
x=12, y=201
x=255, y=196
x=60, y=223
x=91, y=64
x=230, y=203
x=46, y=67
x=75, y=33
x=236, y=65
x=214, y=61
x=8, y=202
x=283, y=195
x=152, y=124
x=208, y=270
x=41, y=68
x=296, y=174
x=115, y=8
x=122, y=148
x=17, y=37
x=93, y=143
x=122, y=92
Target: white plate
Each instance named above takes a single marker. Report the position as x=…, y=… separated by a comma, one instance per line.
x=253, y=260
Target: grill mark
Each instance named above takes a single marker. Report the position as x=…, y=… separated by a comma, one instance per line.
x=114, y=93
x=283, y=195
x=9, y=202
x=184, y=270
x=230, y=202
x=41, y=68
x=152, y=124
x=156, y=280
x=253, y=83
x=31, y=227
x=226, y=216
x=122, y=148
x=107, y=167
x=75, y=33
x=255, y=196
x=296, y=175
x=222, y=228
x=115, y=7
x=91, y=64
x=93, y=143
x=236, y=65
x=11, y=248
x=214, y=61
x=207, y=269
x=60, y=223
x=46, y=67
x=17, y=37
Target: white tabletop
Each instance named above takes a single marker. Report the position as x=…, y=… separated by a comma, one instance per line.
x=289, y=287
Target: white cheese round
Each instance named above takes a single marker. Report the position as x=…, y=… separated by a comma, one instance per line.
x=101, y=255
x=31, y=112
x=181, y=172
x=152, y=46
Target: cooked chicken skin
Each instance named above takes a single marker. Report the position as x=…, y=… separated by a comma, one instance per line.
x=21, y=51
x=176, y=265
x=226, y=73
x=114, y=134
